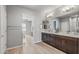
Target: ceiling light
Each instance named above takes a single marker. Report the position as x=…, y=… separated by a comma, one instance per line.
x=49, y=15
x=68, y=8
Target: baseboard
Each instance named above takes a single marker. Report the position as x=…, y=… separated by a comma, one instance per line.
x=38, y=41
x=14, y=47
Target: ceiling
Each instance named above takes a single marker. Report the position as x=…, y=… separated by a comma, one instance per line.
x=40, y=7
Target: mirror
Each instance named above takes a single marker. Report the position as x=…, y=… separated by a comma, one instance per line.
x=45, y=24
x=54, y=25
x=74, y=24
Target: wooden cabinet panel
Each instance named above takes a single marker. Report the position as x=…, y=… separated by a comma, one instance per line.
x=78, y=46
x=47, y=39
x=66, y=44
x=43, y=37
x=69, y=45
x=58, y=42
x=52, y=40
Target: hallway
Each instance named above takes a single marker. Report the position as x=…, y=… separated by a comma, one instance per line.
x=38, y=48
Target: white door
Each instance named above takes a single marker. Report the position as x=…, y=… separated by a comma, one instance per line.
x=2, y=29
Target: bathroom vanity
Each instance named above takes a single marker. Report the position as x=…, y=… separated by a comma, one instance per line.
x=64, y=35
x=63, y=30
x=66, y=43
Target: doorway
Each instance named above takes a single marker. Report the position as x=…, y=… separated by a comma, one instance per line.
x=27, y=28
x=27, y=32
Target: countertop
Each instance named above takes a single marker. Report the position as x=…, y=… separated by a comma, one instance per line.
x=62, y=33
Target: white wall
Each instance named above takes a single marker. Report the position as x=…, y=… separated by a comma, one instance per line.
x=36, y=29
x=15, y=18
x=35, y=17
x=16, y=15
x=3, y=26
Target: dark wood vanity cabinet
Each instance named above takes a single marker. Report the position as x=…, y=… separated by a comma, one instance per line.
x=69, y=45
x=58, y=42
x=78, y=46
x=52, y=40
x=66, y=44
x=45, y=38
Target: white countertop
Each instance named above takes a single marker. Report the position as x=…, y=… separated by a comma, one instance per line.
x=62, y=33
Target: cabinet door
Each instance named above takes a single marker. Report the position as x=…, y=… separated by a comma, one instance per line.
x=69, y=45
x=52, y=39
x=43, y=37
x=46, y=38
x=58, y=41
x=78, y=46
